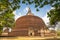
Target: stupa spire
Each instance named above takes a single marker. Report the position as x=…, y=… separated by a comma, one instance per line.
x=29, y=11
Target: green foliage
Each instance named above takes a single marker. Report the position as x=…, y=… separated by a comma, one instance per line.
x=7, y=20
x=14, y=4
x=58, y=33
x=9, y=5
x=42, y=3
x=6, y=12
x=1, y=27
x=54, y=15
x=37, y=9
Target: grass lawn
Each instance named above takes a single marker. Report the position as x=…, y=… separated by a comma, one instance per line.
x=29, y=38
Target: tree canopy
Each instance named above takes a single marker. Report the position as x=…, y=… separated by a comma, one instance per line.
x=8, y=5
x=6, y=20
x=54, y=15
x=6, y=12
x=14, y=4
x=42, y=3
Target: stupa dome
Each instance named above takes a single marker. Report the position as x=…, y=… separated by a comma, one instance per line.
x=29, y=20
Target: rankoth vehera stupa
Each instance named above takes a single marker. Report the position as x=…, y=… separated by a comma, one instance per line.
x=29, y=25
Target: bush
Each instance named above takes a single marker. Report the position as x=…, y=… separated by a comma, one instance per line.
x=58, y=33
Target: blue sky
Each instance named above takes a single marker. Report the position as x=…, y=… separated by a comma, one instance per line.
x=42, y=13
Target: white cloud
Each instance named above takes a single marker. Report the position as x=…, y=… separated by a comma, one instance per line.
x=51, y=29
x=17, y=15
x=46, y=20
x=52, y=8
x=57, y=26
x=26, y=9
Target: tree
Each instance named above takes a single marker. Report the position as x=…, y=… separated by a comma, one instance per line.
x=7, y=20
x=54, y=15
x=6, y=12
x=42, y=3
x=8, y=5
x=14, y=4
